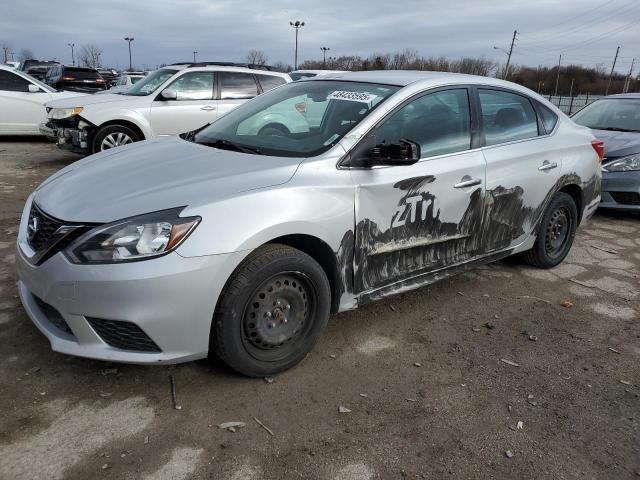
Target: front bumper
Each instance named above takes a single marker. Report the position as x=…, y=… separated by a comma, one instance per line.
x=621, y=190
x=171, y=299
x=69, y=138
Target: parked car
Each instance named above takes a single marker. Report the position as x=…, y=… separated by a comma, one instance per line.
x=300, y=74
x=22, y=100
x=124, y=82
x=242, y=244
x=616, y=120
x=109, y=76
x=13, y=64
x=169, y=101
x=37, y=68
x=75, y=79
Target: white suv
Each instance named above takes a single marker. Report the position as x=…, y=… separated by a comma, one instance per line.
x=172, y=100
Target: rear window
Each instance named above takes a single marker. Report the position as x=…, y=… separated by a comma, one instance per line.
x=81, y=73
x=267, y=82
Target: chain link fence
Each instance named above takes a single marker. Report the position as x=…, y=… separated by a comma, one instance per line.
x=571, y=105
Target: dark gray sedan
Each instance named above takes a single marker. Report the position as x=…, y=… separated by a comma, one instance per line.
x=616, y=120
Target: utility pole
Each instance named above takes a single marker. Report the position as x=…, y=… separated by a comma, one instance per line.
x=6, y=50
x=194, y=56
x=627, y=83
x=324, y=56
x=129, y=39
x=615, y=59
x=297, y=25
x=73, y=58
x=558, y=76
x=513, y=42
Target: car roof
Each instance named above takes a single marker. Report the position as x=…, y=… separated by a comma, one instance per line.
x=226, y=68
x=319, y=71
x=403, y=78
x=628, y=96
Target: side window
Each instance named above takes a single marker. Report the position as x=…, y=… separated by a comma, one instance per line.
x=236, y=85
x=194, y=86
x=439, y=122
x=549, y=119
x=507, y=117
x=267, y=82
x=11, y=82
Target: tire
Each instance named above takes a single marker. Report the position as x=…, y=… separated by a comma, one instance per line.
x=272, y=311
x=115, y=135
x=555, y=234
x=274, y=130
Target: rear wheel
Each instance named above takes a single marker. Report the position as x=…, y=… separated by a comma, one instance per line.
x=272, y=311
x=113, y=136
x=555, y=233
x=274, y=130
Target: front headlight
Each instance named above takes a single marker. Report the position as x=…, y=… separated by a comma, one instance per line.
x=61, y=113
x=136, y=238
x=624, y=164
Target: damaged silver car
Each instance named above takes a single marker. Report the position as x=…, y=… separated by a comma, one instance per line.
x=241, y=241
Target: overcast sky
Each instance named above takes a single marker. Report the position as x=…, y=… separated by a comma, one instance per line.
x=585, y=31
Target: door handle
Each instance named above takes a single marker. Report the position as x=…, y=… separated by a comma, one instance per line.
x=467, y=181
x=546, y=165
x=208, y=108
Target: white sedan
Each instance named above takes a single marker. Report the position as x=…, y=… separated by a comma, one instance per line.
x=22, y=100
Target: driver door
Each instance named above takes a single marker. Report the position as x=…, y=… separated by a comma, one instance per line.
x=418, y=218
x=193, y=108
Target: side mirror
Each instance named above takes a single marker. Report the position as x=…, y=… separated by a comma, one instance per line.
x=404, y=153
x=33, y=88
x=169, y=94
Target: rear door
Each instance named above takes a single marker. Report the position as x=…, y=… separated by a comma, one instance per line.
x=235, y=89
x=414, y=219
x=21, y=111
x=194, y=107
x=523, y=165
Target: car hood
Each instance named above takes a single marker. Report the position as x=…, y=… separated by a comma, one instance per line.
x=155, y=175
x=91, y=100
x=59, y=95
x=618, y=144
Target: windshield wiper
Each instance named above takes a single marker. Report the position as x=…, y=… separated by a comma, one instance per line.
x=615, y=129
x=228, y=145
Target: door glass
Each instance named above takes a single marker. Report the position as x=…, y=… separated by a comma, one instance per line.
x=267, y=82
x=439, y=122
x=194, y=86
x=236, y=85
x=13, y=83
x=507, y=117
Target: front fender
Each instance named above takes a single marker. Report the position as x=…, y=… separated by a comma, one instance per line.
x=100, y=117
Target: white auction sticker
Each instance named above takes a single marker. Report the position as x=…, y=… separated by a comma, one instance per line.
x=363, y=97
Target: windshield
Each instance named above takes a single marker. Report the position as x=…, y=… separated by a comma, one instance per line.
x=621, y=114
x=151, y=82
x=301, y=119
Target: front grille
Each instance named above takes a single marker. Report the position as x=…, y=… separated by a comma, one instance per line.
x=54, y=316
x=626, y=198
x=47, y=235
x=123, y=335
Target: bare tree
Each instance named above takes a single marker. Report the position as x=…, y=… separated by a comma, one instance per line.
x=282, y=67
x=25, y=54
x=257, y=57
x=6, y=49
x=89, y=56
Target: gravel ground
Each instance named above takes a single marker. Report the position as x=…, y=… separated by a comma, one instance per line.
x=423, y=375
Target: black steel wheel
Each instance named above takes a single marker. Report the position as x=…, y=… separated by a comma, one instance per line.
x=555, y=234
x=271, y=312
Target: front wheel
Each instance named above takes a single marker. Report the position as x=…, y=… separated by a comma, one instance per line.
x=272, y=311
x=113, y=136
x=555, y=233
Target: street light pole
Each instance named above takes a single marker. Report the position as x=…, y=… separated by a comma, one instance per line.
x=6, y=50
x=129, y=39
x=194, y=56
x=73, y=58
x=324, y=56
x=297, y=25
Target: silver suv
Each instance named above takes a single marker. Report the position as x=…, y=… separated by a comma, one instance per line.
x=172, y=100
x=241, y=240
